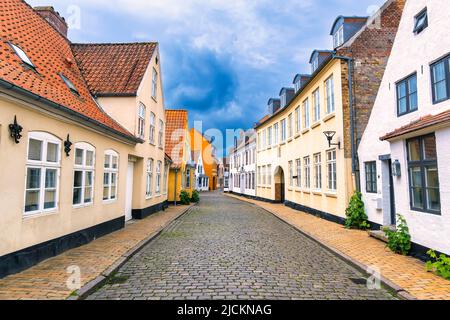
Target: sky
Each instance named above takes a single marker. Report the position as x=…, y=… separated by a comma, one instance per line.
x=221, y=59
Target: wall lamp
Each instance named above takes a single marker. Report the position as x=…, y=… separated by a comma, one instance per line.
x=330, y=135
x=15, y=130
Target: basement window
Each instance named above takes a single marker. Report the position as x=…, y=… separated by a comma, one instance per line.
x=421, y=21
x=69, y=84
x=22, y=55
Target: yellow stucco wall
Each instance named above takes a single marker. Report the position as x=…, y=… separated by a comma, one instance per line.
x=177, y=178
x=307, y=142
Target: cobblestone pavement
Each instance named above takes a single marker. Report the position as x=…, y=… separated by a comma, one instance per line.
x=229, y=249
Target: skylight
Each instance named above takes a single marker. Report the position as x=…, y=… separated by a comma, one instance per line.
x=69, y=84
x=22, y=55
x=421, y=21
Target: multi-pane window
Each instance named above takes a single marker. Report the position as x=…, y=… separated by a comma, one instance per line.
x=83, y=182
x=161, y=134
x=371, y=176
x=423, y=174
x=421, y=21
x=331, y=170
x=283, y=130
x=259, y=141
x=338, y=38
x=316, y=101
x=440, y=77
x=141, y=120
x=275, y=133
x=298, y=120
x=166, y=173
x=290, y=126
x=158, y=177
x=264, y=138
x=306, y=114
x=188, y=178
x=269, y=175
x=264, y=175
x=152, y=128
x=299, y=172
x=111, y=170
x=269, y=136
x=259, y=175
x=291, y=173
x=407, y=95
x=154, y=83
x=307, y=174
x=149, y=178
x=42, y=179
x=318, y=171
x=329, y=88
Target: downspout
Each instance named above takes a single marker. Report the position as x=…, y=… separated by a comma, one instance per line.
x=352, y=119
x=176, y=183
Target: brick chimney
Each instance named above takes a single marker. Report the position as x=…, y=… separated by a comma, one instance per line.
x=54, y=18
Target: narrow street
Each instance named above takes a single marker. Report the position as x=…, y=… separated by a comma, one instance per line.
x=228, y=249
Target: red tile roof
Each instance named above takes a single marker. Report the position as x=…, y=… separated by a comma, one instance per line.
x=176, y=129
x=114, y=69
x=419, y=124
x=51, y=53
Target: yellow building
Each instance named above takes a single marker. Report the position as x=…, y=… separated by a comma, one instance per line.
x=181, y=174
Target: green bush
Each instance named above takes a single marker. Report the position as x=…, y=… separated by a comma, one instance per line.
x=195, y=196
x=185, y=199
x=399, y=241
x=356, y=214
x=439, y=265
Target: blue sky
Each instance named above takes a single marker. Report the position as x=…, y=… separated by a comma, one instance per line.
x=222, y=59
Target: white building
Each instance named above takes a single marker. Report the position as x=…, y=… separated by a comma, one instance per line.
x=243, y=165
x=406, y=147
x=201, y=179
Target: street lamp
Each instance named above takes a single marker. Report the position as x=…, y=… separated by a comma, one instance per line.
x=330, y=135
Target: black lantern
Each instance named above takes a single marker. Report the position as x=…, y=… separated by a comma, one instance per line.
x=330, y=135
x=67, y=146
x=15, y=130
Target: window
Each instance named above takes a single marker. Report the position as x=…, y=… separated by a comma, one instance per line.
x=149, y=180
x=307, y=175
x=407, y=95
x=264, y=175
x=331, y=170
x=83, y=182
x=290, y=126
x=275, y=133
x=291, y=173
x=316, y=98
x=283, y=100
x=111, y=169
x=161, y=134
x=421, y=21
x=306, y=114
x=42, y=173
x=299, y=172
x=259, y=141
x=166, y=173
x=338, y=38
x=423, y=174
x=154, y=83
x=264, y=141
x=22, y=55
x=269, y=175
x=371, y=177
x=318, y=171
x=283, y=130
x=298, y=120
x=141, y=121
x=69, y=84
x=269, y=136
x=188, y=178
x=440, y=77
x=158, y=177
x=329, y=87
x=152, y=128
x=314, y=64
x=259, y=176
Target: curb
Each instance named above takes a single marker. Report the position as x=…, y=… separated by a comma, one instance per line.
x=100, y=280
x=399, y=291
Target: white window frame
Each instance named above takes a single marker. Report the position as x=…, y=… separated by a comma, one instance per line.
x=283, y=130
x=307, y=172
x=331, y=161
x=141, y=120
x=269, y=136
x=110, y=171
x=329, y=88
x=290, y=126
x=149, y=178
x=306, y=118
x=299, y=172
x=316, y=98
x=166, y=177
x=291, y=173
x=161, y=134
x=317, y=171
x=152, y=128
x=298, y=119
x=154, y=83
x=275, y=133
x=84, y=168
x=158, y=177
x=43, y=165
x=269, y=175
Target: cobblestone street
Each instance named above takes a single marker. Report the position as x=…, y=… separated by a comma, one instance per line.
x=228, y=249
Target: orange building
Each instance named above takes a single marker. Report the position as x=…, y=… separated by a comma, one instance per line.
x=201, y=143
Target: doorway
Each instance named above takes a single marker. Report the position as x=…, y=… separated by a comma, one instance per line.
x=279, y=185
x=388, y=193
x=129, y=192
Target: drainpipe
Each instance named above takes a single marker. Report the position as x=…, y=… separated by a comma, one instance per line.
x=352, y=119
x=176, y=182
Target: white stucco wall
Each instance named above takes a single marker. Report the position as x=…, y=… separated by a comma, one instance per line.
x=411, y=53
x=249, y=168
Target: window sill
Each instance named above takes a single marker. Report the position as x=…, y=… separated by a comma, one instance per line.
x=331, y=195
x=111, y=201
x=305, y=131
x=298, y=190
x=81, y=206
x=154, y=99
x=315, y=125
x=298, y=135
x=40, y=214
x=290, y=139
x=282, y=143
x=306, y=191
x=148, y=197
x=317, y=193
x=329, y=117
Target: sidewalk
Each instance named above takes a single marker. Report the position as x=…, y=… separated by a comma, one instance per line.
x=47, y=280
x=406, y=273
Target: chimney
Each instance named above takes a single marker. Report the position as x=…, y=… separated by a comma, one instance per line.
x=53, y=17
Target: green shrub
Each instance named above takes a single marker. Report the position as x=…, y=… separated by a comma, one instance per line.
x=195, y=196
x=399, y=240
x=185, y=199
x=439, y=265
x=356, y=214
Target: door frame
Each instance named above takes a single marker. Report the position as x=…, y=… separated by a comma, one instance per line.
x=129, y=191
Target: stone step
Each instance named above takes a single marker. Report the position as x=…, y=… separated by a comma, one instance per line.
x=379, y=234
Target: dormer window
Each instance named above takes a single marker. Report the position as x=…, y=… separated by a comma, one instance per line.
x=283, y=100
x=297, y=85
x=315, y=64
x=22, y=55
x=69, y=84
x=421, y=21
x=338, y=37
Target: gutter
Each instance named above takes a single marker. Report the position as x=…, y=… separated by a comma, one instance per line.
x=9, y=86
